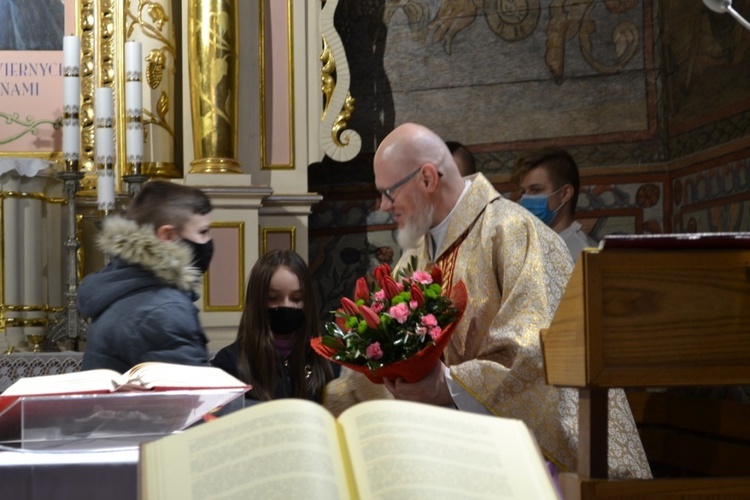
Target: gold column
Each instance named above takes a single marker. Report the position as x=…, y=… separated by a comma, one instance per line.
x=213, y=70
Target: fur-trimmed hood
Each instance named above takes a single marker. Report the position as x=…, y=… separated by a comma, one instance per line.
x=140, y=263
x=171, y=262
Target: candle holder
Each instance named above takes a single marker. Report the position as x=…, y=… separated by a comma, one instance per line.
x=134, y=181
x=70, y=327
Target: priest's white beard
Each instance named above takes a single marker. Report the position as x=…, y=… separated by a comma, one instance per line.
x=416, y=227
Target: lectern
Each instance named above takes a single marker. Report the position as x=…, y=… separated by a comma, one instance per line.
x=662, y=312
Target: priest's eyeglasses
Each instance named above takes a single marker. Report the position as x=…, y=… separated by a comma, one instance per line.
x=388, y=193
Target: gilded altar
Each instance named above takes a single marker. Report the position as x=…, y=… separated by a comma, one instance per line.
x=229, y=105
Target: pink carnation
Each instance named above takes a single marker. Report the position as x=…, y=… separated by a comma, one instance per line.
x=422, y=277
x=429, y=320
x=435, y=332
x=376, y=307
x=413, y=304
x=374, y=351
x=379, y=295
x=399, y=312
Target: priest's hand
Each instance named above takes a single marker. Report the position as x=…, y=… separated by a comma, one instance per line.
x=433, y=389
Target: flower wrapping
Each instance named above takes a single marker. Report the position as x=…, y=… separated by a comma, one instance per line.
x=394, y=327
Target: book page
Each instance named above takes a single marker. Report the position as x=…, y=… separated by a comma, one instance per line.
x=155, y=374
x=409, y=450
x=287, y=448
x=64, y=383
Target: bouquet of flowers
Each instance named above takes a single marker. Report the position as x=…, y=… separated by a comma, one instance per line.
x=393, y=327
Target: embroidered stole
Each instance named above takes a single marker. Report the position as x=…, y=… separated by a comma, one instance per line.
x=447, y=260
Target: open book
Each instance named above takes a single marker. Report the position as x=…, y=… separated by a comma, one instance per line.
x=150, y=375
x=294, y=448
x=84, y=404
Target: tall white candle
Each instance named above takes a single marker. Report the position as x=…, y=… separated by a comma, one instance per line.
x=71, y=94
x=104, y=107
x=135, y=143
x=105, y=190
x=105, y=158
x=134, y=133
x=133, y=64
x=71, y=139
x=105, y=148
x=134, y=106
x=71, y=100
x=71, y=54
x=133, y=98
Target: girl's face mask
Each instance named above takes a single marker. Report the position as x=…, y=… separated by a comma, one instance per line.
x=285, y=320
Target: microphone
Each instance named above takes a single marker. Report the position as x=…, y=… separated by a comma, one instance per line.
x=722, y=6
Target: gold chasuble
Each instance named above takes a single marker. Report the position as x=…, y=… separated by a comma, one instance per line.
x=515, y=269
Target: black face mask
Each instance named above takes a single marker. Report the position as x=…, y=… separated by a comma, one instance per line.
x=285, y=320
x=202, y=253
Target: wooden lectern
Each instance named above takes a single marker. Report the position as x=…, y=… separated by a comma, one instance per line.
x=650, y=312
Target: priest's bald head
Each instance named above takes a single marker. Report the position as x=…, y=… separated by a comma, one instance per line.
x=418, y=180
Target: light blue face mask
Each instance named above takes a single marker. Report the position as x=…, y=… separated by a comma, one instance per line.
x=537, y=205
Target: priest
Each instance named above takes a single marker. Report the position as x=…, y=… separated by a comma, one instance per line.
x=515, y=269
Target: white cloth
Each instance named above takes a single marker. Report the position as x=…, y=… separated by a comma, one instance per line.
x=576, y=239
x=26, y=167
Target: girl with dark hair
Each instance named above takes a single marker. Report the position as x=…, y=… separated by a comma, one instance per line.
x=272, y=351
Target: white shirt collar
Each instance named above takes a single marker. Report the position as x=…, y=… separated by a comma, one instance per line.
x=437, y=233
